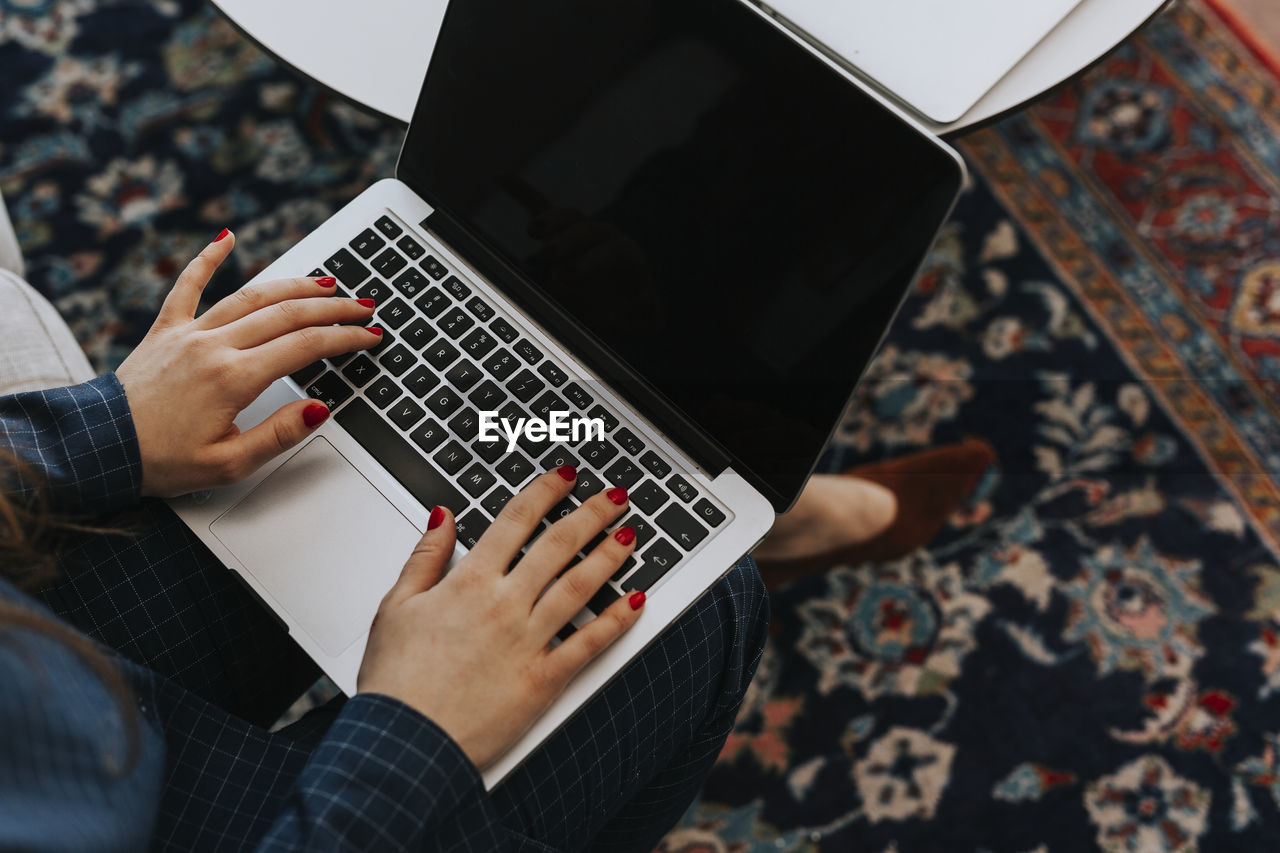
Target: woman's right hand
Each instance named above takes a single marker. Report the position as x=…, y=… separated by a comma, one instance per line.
x=470, y=651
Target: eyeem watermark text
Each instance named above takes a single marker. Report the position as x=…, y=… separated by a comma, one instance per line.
x=559, y=426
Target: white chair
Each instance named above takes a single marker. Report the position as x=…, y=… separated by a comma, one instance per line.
x=37, y=349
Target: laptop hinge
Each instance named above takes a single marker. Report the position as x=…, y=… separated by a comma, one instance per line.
x=704, y=451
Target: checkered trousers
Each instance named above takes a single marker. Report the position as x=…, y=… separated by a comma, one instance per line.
x=209, y=668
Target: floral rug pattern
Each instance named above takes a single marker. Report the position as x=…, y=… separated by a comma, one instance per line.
x=1089, y=656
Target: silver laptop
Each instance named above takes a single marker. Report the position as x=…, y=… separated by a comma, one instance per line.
x=664, y=217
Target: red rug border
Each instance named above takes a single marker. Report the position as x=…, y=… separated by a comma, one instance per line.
x=1245, y=31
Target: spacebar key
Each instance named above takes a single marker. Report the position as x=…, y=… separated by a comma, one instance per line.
x=399, y=457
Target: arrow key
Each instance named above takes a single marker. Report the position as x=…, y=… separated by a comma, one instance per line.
x=681, y=527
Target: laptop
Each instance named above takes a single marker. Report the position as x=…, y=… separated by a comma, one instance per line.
x=938, y=57
x=666, y=216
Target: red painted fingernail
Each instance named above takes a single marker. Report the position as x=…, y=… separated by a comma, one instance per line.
x=326, y=281
x=617, y=495
x=636, y=600
x=567, y=472
x=314, y=415
x=436, y=519
x=373, y=330
x=224, y=232
x=367, y=303
x=625, y=535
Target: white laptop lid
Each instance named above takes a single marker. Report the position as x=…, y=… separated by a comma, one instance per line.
x=939, y=56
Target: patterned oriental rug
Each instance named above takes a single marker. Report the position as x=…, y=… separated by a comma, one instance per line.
x=1089, y=657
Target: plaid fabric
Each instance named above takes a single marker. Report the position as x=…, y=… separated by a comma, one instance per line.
x=206, y=661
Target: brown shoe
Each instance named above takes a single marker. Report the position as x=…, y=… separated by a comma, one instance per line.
x=929, y=486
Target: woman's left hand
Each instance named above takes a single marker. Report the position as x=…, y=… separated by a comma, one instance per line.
x=191, y=376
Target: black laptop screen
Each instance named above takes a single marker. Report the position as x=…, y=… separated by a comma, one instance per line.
x=696, y=192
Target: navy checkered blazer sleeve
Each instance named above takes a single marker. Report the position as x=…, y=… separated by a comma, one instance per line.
x=383, y=777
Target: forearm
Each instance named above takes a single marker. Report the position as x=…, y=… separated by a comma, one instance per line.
x=78, y=445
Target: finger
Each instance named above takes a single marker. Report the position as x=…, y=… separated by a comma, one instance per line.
x=255, y=297
x=579, y=584
x=429, y=559
x=555, y=548
x=294, y=351
x=589, y=641
x=181, y=303
x=274, y=321
x=239, y=456
x=520, y=518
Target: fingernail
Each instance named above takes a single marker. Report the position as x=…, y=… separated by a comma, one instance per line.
x=224, y=232
x=373, y=330
x=367, y=303
x=636, y=600
x=436, y=519
x=567, y=473
x=625, y=535
x=314, y=415
x=617, y=495
x=326, y=281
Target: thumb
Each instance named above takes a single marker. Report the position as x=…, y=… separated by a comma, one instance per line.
x=429, y=559
x=287, y=427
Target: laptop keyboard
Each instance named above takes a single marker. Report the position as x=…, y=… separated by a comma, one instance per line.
x=446, y=354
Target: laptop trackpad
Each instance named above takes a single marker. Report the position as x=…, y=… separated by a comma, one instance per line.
x=324, y=542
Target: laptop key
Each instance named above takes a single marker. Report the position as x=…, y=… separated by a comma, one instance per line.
x=559, y=456
x=528, y=352
x=562, y=510
x=376, y=289
x=587, y=485
x=444, y=402
x=330, y=390
x=346, y=268
x=553, y=374
x=385, y=340
x=389, y=263
x=654, y=564
x=411, y=282
x=623, y=570
x=490, y=451
x=630, y=443
x=455, y=322
x=708, y=512
x=680, y=486
x=455, y=285
x=481, y=309
x=504, y=330
x=395, y=313
x=383, y=392
x=463, y=375
x=515, y=469
x=304, y=376
x=399, y=457
x=429, y=435
x=452, y=457
x=624, y=473
x=471, y=526
x=465, y=425
x=604, y=597
x=406, y=413
x=577, y=396
x=431, y=266
x=397, y=360
x=360, y=370
x=420, y=381
x=433, y=302
x=610, y=422
x=478, y=343
x=546, y=404
x=316, y=273
x=656, y=465
x=496, y=500
x=441, y=354
x=682, y=527
x=501, y=365
x=366, y=243
x=477, y=480
x=597, y=454
x=649, y=498
x=525, y=386
x=487, y=395
x=388, y=226
x=418, y=334
x=643, y=528
x=410, y=247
